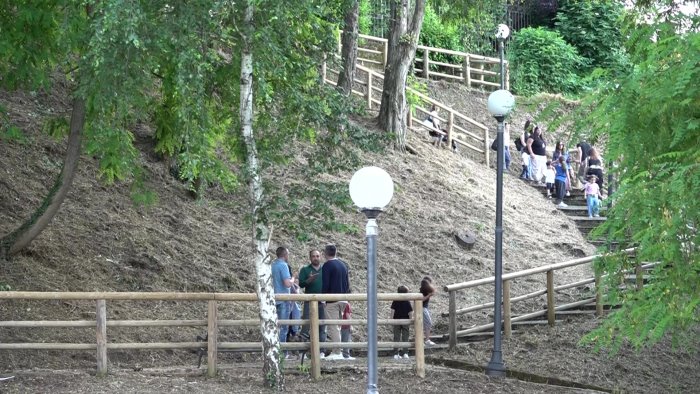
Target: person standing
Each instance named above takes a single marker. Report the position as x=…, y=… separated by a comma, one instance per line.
x=401, y=310
x=560, y=180
x=334, y=280
x=310, y=280
x=346, y=332
x=594, y=165
x=427, y=289
x=583, y=149
x=506, y=147
x=281, y=282
x=536, y=148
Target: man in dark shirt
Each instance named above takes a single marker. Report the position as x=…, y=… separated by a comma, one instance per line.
x=334, y=280
x=310, y=281
x=584, y=149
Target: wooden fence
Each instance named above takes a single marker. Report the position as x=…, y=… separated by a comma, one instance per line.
x=508, y=299
x=458, y=127
x=213, y=322
x=467, y=68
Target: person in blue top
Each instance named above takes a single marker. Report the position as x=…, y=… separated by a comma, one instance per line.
x=281, y=281
x=560, y=180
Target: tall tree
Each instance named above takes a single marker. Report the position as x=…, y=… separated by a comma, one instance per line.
x=261, y=232
x=652, y=118
x=405, y=29
x=349, y=48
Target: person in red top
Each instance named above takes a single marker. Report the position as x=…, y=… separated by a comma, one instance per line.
x=346, y=331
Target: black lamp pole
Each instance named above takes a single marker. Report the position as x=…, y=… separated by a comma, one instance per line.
x=496, y=367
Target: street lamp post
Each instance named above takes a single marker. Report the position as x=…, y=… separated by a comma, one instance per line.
x=371, y=189
x=500, y=104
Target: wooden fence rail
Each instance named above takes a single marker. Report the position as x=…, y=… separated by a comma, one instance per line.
x=213, y=322
x=458, y=127
x=508, y=300
x=468, y=68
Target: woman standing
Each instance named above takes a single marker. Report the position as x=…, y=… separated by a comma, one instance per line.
x=595, y=166
x=536, y=148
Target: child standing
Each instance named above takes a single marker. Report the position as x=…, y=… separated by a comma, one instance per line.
x=427, y=289
x=401, y=310
x=592, y=191
x=549, y=175
x=560, y=179
x=346, y=332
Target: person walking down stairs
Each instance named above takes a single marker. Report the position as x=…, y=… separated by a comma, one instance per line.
x=560, y=180
x=592, y=191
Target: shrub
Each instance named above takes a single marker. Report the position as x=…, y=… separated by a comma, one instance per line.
x=594, y=28
x=435, y=33
x=541, y=61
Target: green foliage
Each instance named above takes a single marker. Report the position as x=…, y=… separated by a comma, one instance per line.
x=651, y=116
x=541, y=61
x=364, y=21
x=8, y=131
x=5, y=287
x=594, y=28
x=439, y=34
x=57, y=127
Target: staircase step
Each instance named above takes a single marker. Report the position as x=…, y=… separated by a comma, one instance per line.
x=587, y=219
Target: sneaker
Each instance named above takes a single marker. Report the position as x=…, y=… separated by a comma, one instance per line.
x=334, y=356
x=405, y=355
x=429, y=343
x=562, y=205
x=322, y=355
x=568, y=194
x=549, y=196
x=397, y=357
x=596, y=216
x=590, y=216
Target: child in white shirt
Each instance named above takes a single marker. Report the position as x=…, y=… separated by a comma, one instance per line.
x=549, y=175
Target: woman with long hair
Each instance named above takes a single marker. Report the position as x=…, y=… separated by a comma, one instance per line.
x=595, y=166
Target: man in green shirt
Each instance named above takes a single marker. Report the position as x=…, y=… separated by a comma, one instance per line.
x=310, y=281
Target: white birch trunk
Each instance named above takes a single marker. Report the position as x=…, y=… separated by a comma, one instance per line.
x=272, y=371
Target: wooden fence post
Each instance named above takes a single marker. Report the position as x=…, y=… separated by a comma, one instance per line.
x=453, y=320
x=487, y=147
x=369, y=90
x=481, y=76
x=639, y=276
x=467, y=72
x=101, y=338
x=507, y=325
x=315, y=350
x=418, y=329
x=212, y=338
x=598, y=294
x=323, y=71
x=550, y=297
x=450, y=123
x=385, y=53
x=426, y=64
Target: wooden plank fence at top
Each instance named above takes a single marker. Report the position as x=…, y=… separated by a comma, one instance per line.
x=213, y=344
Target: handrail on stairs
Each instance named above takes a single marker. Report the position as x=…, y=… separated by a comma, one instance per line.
x=457, y=124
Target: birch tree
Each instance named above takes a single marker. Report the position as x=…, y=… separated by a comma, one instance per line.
x=405, y=28
x=260, y=231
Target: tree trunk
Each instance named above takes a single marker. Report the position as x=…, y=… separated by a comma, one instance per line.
x=40, y=219
x=402, y=50
x=349, y=49
x=272, y=371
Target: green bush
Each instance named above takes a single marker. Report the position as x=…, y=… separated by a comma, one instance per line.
x=435, y=33
x=541, y=61
x=594, y=28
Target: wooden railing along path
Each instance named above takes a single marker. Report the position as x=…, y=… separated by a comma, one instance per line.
x=464, y=130
x=213, y=322
x=468, y=68
x=549, y=291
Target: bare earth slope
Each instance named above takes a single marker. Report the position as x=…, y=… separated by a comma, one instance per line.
x=100, y=241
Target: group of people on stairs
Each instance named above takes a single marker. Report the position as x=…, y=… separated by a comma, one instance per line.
x=557, y=174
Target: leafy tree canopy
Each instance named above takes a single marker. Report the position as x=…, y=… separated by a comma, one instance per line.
x=652, y=118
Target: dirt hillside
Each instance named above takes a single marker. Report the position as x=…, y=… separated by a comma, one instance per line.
x=100, y=241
